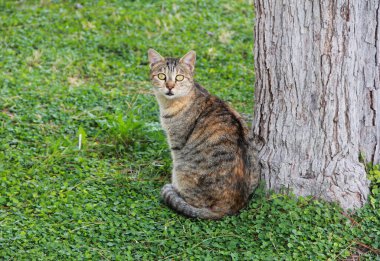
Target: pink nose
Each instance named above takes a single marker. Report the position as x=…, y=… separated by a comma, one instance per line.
x=170, y=85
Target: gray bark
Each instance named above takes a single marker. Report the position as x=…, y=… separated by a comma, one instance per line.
x=317, y=96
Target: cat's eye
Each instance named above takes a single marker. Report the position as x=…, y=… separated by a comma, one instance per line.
x=179, y=78
x=161, y=76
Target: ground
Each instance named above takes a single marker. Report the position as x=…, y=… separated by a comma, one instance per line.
x=70, y=69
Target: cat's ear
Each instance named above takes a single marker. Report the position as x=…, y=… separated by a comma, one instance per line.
x=189, y=59
x=154, y=57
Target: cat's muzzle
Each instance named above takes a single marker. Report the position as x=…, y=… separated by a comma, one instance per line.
x=169, y=93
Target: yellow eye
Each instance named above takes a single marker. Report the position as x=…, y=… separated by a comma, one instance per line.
x=179, y=78
x=161, y=76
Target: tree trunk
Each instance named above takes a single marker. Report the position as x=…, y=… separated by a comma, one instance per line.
x=317, y=96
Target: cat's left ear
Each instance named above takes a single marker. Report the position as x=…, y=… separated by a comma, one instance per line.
x=154, y=57
x=189, y=59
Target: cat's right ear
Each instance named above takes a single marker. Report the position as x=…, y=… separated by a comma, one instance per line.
x=154, y=57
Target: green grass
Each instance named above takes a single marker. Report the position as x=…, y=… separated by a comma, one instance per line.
x=67, y=70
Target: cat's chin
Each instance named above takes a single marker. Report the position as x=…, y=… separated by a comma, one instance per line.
x=169, y=95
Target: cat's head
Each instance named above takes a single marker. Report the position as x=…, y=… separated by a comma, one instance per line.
x=171, y=77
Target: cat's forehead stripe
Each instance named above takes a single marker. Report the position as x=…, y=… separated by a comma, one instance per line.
x=171, y=64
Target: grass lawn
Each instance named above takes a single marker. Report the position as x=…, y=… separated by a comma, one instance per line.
x=69, y=69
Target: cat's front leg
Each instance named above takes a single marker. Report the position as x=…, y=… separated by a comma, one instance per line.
x=177, y=138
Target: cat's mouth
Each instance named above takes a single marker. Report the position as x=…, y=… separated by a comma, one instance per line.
x=170, y=93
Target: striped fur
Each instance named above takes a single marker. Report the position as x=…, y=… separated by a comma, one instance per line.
x=214, y=170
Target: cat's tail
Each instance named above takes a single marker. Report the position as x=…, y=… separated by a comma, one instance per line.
x=177, y=203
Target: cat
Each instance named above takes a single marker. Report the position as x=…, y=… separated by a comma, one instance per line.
x=214, y=171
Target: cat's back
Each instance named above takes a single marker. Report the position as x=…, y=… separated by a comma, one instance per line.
x=212, y=166
x=218, y=134
x=219, y=120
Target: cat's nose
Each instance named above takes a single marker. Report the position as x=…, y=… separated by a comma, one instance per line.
x=170, y=84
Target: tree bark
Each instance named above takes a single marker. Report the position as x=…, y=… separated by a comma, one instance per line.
x=317, y=96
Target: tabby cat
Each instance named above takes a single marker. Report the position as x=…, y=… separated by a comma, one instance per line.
x=213, y=171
